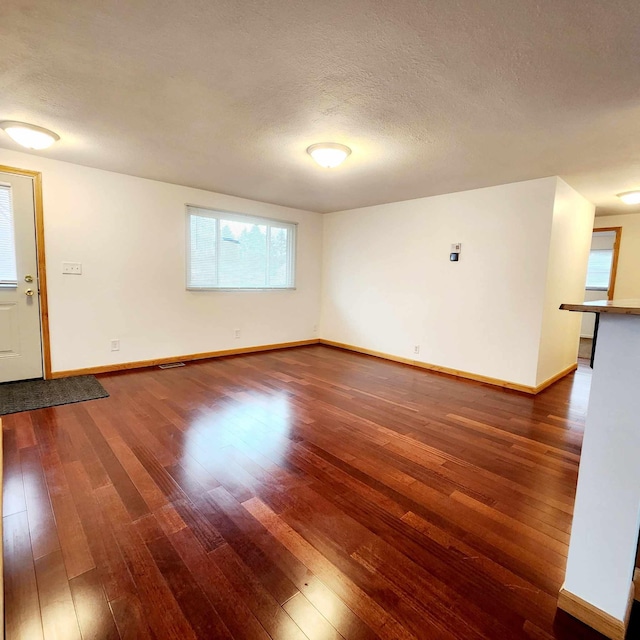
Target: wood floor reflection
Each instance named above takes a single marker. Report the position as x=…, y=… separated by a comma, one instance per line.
x=308, y=493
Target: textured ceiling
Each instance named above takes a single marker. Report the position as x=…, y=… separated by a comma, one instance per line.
x=432, y=96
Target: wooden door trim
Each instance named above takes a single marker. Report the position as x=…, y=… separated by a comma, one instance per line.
x=36, y=176
x=616, y=253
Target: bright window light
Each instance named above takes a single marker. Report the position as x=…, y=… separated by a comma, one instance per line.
x=234, y=251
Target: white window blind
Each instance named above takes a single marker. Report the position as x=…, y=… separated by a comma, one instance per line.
x=234, y=251
x=599, y=269
x=8, y=274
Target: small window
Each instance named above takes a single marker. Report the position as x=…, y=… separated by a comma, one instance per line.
x=599, y=269
x=233, y=251
x=8, y=272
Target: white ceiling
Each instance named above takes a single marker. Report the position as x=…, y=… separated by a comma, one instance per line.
x=432, y=96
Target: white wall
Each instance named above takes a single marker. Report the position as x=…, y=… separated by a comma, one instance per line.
x=604, y=532
x=388, y=283
x=628, y=276
x=129, y=235
x=566, y=275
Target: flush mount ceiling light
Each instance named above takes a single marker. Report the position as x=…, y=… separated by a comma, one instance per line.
x=328, y=154
x=630, y=197
x=28, y=135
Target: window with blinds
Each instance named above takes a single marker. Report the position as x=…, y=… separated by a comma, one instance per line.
x=8, y=274
x=234, y=251
x=599, y=269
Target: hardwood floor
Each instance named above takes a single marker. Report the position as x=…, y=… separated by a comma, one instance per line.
x=308, y=493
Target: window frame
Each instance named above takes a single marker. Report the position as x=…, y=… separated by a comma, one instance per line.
x=234, y=216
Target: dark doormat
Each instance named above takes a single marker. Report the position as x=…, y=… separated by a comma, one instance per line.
x=39, y=394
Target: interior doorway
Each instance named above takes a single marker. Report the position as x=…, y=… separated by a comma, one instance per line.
x=24, y=334
x=601, y=280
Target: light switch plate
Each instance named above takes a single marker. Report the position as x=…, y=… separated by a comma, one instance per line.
x=456, y=247
x=72, y=268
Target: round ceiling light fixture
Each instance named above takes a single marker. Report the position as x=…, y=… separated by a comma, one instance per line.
x=28, y=135
x=329, y=154
x=630, y=197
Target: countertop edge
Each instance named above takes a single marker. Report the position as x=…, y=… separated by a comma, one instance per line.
x=602, y=308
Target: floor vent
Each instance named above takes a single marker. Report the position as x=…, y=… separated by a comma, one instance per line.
x=171, y=365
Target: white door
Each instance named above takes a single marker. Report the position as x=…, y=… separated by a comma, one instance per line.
x=20, y=336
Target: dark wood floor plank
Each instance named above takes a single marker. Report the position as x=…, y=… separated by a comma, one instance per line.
x=144, y=483
x=115, y=578
x=83, y=450
x=187, y=481
x=71, y=533
x=159, y=606
x=322, y=598
x=371, y=581
x=120, y=479
x=441, y=576
x=197, y=609
x=198, y=518
x=59, y=620
x=13, y=498
x=92, y=609
x=263, y=605
x=241, y=540
x=230, y=605
x=301, y=494
x=23, y=427
x=354, y=597
x=484, y=541
x=21, y=605
x=42, y=523
x=130, y=619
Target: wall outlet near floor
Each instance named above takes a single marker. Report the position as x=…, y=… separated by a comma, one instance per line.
x=236, y=333
x=416, y=349
x=72, y=268
x=315, y=328
x=115, y=345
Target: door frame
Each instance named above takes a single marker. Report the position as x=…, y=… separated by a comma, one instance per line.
x=36, y=177
x=616, y=253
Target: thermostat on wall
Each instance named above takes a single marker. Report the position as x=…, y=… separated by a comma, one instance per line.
x=456, y=248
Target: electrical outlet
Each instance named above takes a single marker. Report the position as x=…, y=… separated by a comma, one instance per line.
x=115, y=345
x=315, y=328
x=416, y=349
x=236, y=333
x=72, y=268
